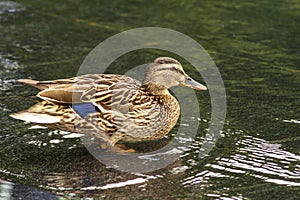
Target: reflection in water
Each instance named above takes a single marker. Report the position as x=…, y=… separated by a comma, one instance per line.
x=292, y=121
x=9, y=191
x=253, y=157
x=117, y=185
x=7, y=69
x=5, y=190
x=202, y=178
x=258, y=158
x=264, y=160
x=94, y=180
x=10, y=7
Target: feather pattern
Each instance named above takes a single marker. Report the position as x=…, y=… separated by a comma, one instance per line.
x=110, y=107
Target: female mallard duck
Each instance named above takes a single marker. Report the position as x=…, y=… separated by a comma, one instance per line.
x=112, y=107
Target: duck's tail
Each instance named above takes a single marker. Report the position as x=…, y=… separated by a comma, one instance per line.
x=48, y=115
x=43, y=113
x=33, y=83
x=37, y=118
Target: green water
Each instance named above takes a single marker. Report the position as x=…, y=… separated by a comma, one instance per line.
x=255, y=45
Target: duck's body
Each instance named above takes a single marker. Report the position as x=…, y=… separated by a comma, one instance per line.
x=111, y=107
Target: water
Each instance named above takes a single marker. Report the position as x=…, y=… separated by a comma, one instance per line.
x=255, y=45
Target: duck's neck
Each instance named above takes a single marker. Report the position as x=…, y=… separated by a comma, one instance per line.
x=155, y=89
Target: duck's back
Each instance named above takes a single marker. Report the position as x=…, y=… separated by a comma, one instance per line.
x=114, y=105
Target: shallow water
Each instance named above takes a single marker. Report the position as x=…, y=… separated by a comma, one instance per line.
x=255, y=45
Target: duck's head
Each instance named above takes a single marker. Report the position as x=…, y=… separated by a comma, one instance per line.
x=166, y=72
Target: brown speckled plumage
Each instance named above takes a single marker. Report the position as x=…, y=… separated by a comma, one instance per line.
x=118, y=107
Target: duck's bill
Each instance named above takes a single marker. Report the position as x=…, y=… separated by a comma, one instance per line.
x=189, y=82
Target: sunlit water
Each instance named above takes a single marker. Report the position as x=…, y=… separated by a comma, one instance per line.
x=256, y=48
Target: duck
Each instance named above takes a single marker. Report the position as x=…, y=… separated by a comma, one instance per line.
x=110, y=107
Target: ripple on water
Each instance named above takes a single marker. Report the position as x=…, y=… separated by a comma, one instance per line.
x=261, y=159
x=10, y=7
x=8, y=68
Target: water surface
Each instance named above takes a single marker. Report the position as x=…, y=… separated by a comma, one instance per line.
x=255, y=45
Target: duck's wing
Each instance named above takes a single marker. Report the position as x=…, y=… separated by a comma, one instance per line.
x=58, y=91
x=109, y=93
x=129, y=104
x=76, y=90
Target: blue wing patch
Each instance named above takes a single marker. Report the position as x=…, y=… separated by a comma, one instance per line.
x=83, y=109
